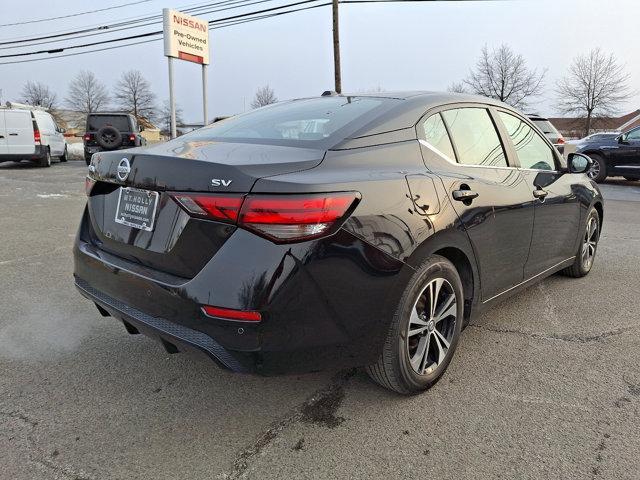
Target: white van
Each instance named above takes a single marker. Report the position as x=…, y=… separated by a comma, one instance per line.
x=30, y=133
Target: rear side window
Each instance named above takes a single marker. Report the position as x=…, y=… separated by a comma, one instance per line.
x=634, y=134
x=533, y=152
x=475, y=137
x=96, y=122
x=436, y=135
x=300, y=122
x=546, y=127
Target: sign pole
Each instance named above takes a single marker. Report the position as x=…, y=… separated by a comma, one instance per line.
x=172, y=99
x=204, y=95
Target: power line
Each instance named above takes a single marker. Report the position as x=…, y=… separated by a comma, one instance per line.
x=74, y=14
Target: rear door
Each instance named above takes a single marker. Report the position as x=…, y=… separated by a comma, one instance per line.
x=490, y=196
x=557, y=207
x=19, y=128
x=628, y=162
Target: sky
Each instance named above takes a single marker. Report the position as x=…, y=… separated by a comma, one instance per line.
x=392, y=46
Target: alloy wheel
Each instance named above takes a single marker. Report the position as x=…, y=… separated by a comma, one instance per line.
x=431, y=326
x=594, y=171
x=589, y=243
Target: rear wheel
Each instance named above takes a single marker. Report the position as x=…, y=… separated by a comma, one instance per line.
x=63, y=157
x=87, y=158
x=587, y=249
x=598, y=170
x=424, y=331
x=45, y=161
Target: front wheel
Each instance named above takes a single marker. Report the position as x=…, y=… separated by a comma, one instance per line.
x=598, y=170
x=424, y=331
x=64, y=156
x=587, y=249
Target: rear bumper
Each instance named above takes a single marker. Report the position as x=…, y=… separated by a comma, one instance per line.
x=38, y=154
x=325, y=304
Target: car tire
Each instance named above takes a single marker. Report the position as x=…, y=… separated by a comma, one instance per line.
x=587, y=249
x=598, y=171
x=87, y=159
x=401, y=359
x=63, y=157
x=46, y=160
x=632, y=179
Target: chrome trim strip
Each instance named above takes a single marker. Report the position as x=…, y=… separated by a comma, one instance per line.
x=445, y=157
x=627, y=166
x=529, y=279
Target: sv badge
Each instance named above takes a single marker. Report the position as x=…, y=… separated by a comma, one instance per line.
x=219, y=182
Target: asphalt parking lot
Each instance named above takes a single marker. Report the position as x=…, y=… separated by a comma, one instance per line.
x=546, y=385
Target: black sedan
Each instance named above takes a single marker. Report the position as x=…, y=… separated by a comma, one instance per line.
x=334, y=231
x=614, y=155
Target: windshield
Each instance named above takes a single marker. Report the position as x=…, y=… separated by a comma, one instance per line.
x=96, y=122
x=309, y=122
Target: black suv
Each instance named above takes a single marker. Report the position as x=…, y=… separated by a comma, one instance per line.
x=111, y=131
x=614, y=155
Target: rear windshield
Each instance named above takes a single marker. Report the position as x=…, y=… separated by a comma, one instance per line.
x=120, y=122
x=309, y=122
x=545, y=126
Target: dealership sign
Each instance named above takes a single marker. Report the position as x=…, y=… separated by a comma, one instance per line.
x=185, y=37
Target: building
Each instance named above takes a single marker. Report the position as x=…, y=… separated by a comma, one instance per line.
x=574, y=127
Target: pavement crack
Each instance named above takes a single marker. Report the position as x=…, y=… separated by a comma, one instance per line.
x=20, y=416
x=572, y=338
x=320, y=408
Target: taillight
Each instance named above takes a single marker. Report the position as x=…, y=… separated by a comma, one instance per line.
x=280, y=218
x=560, y=141
x=132, y=138
x=36, y=137
x=88, y=185
x=87, y=137
x=230, y=314
x=285, y=218
x=215, y=207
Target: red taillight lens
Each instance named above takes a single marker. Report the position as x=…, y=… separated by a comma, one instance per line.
x=87, y=137
x=132, y=138
x=36, y=137
x=88, y=185
x=216, y=207
x=230, y=314
x=281, y=218
x=561, y=141
x=285, y=218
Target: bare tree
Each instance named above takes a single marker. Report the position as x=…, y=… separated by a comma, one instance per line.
x=165, y=117
x=502, y=74
x=39, y=94
x=457, y=87
x=134, y=95
x=595, y=86
x=264, y=96
x=86, y=93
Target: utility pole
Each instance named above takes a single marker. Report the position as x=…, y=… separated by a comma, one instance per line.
x=336, y=48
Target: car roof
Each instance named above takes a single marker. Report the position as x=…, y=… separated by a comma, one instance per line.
x=410, y=107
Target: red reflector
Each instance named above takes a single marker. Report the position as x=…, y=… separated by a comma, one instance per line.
x=88, y=185
x=132, y=138
x=218, y=207
x=87, y=137
x=231, y=314
x=36, y=136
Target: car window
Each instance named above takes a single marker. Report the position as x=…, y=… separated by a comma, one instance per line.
x=634, y=134
x=96, y=122
x=533, y=152
x=306, y=122
x=545, y=126
x=436, y=135
x=475, y=137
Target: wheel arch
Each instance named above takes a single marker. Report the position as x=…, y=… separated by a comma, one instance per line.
x=600, y=209
x=454, y=245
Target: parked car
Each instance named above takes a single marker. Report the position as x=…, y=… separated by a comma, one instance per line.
x=30, y=133
x=595, y=137
x=368, y=240
x=614, y=156
x=549, y=130
x=111, y=131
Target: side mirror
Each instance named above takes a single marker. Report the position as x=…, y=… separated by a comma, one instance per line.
x=622, y=138
x=578, y=163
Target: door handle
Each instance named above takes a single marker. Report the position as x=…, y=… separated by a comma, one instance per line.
x=540, y=194
x=464, y=195
x=13, y=134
